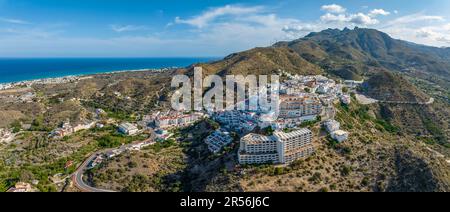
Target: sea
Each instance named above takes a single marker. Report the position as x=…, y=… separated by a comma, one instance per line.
x=23, y=69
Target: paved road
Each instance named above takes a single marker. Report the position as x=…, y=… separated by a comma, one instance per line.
x=367, y=101
x=429, y=102
x=77, y=177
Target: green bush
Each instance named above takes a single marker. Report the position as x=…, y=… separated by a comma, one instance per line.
x=346, y=170
x=109, y=142
x=16, y=126
x=387, y=126
x=278, y=171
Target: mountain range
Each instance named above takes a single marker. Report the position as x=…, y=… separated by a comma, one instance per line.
x=393, y=70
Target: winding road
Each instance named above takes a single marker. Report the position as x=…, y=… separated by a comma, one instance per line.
x=367, y=101
x=77, y=176
x=431, y=101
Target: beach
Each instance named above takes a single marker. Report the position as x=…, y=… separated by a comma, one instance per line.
x=58, y=80
x=17, y=70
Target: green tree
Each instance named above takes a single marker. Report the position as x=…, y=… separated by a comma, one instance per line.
x=345, y=90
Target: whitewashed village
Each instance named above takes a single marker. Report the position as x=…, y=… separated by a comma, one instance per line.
x=302, y=99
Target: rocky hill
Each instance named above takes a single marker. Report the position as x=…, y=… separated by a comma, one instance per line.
x=387, y=65
x=262, y=61
x=388, y=86
x=362, y=48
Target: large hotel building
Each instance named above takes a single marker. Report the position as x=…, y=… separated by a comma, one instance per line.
x=297, y=106
x=281, y=148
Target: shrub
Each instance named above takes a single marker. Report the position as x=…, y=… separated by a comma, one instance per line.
x=346, y=170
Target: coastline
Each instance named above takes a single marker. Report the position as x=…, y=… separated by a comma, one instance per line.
x=20, y=70
x=71, y=78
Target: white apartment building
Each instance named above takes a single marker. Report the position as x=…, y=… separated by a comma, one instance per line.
x=218, y=140
x=325, y=88
x=298, y=106
x=176, y=119
x=237, y=120
x=281, y=148
x=294, y=145
x=128, y=129
x=340, y=135
x=258, y=149
x=332, y=125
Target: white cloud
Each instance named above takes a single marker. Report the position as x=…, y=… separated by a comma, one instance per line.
x=212, y=14
x=329, y=18
x=363, y=19
x=216, y=31
x=377, y=12
x=296, y=29
x=334, y=8
x=417, y=17
x=444, y=39
x=419, y=28
x=13, y=21
x=352, y=19
x=126, y=28
x=446, y=27
x=336, y=14
x=243, y=27
x=425, y=33
x=434, y=33
x=31, y=33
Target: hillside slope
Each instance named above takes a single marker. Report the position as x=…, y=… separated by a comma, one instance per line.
x=369, y=47
x=262, y=61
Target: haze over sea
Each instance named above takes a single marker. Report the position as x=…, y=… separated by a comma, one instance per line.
x=15, y=70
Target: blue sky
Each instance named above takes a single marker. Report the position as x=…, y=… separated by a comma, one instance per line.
x=201, y=28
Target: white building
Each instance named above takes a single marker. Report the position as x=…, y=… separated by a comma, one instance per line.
x=176, y=119
x=258, y=149
x=113, y=153
x=346, y=99
x=237, y=120
x=21, y=187
x=298, y=106
x=218, y=140
x=340, y=135
x=352, y=83
x=327, y=99
x=281, y=148
x=5, y=86
x=67, y=129
x=6, y=135
x=332, y=125
x=324, y=89
x=128, y=129
x=294, y=145
x=84, y=126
